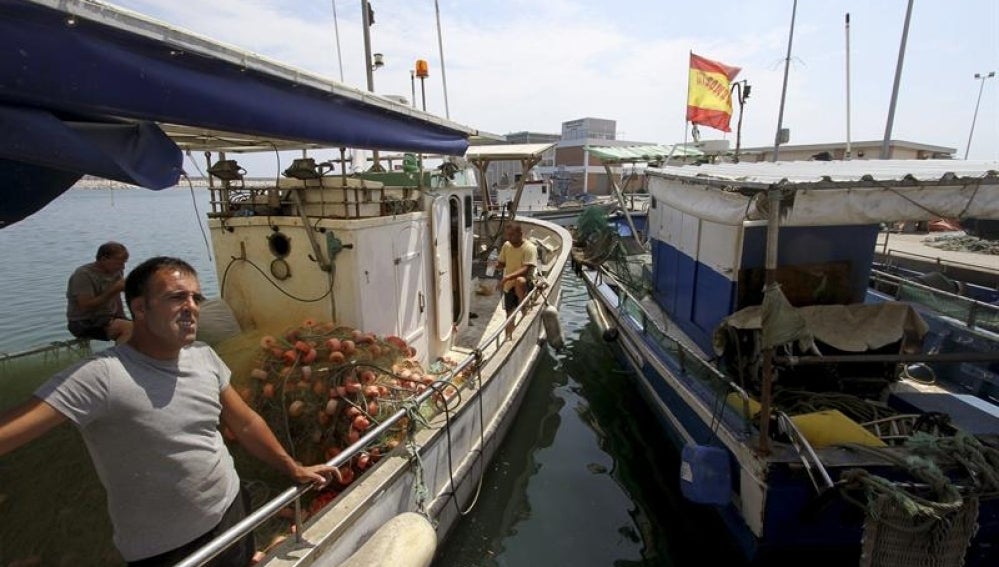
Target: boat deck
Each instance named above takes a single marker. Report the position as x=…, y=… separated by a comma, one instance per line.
x=485, y=316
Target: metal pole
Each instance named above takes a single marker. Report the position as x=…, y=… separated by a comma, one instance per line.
x=848, y=152
x=898, y=78
x=783, y=92
x=368, y=68
x=423, y=93
x=981, y=87
x=412, y=84
x=738, y=129
x=770, y=262
x=440, y=48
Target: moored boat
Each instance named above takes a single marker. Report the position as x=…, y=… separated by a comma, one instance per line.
x=388, y=262
x=797, y=399
x=528, y=195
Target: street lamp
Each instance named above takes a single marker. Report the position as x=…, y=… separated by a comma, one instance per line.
x=981, y=87
x=742, y=90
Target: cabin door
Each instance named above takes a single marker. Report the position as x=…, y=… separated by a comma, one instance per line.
x=441, y=249
x=410, y=276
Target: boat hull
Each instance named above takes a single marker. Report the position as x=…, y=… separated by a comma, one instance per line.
x=775, y=512
x=455, y=447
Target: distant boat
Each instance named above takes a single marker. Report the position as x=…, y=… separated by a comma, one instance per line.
x=529, y=195
x=318, y=259
x=800, y=401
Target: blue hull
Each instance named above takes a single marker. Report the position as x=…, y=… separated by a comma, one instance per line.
x=796, y=518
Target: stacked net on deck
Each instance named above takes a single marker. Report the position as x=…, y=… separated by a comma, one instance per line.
x=321, y=387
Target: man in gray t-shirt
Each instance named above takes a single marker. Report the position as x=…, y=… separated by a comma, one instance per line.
x=93, y=297
x=149, y=412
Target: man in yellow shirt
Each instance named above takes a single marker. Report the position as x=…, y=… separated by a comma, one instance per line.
x=518, y=258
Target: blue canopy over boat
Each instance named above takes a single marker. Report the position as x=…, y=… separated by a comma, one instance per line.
x=90, y=89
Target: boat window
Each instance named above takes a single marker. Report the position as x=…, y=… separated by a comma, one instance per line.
x=468, y=211
x=279, y=244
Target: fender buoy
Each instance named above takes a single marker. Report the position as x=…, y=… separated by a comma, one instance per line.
x=607, y=331
x=553, y=328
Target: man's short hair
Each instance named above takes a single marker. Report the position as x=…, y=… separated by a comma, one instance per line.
x=138, y=278
x=110, y=250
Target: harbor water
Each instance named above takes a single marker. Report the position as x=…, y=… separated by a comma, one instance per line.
x=582, y=479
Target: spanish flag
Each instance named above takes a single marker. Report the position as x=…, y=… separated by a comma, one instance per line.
x=709, y=100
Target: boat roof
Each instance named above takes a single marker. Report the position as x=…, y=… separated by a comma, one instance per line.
x=87, y=88
x=507, y=152
x=829, y=174
x=832, y=192
x=165, y=69
x=642, y=153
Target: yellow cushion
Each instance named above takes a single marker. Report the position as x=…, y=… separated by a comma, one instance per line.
x=735, y=401
x=832, y=427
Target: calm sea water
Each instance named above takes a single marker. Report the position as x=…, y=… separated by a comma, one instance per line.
x=39, y=253
x=582, y=479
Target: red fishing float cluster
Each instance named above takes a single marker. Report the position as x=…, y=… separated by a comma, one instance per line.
x=321, y=387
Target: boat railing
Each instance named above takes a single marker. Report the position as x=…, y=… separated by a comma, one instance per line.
x=967, y=310
x=326, y=196
x=78, y=347
x=809, y=458
x=689, y=361
x=945, y=266
x=490, y=347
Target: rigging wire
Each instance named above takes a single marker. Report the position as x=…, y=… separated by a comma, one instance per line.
x=197, y=214
x=336, y=31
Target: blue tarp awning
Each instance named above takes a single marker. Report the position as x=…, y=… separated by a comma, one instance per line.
x=86, y=89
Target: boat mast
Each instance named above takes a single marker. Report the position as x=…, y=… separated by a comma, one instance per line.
x=898, y=78
x=440, y=48
x=783, y=92
x=847, y=156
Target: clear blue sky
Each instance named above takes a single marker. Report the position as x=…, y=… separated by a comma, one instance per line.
x=514, y=65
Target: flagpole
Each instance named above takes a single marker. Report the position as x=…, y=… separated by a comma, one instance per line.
x=783, y=92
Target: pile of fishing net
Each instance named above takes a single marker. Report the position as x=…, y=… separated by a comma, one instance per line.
x=321, y=387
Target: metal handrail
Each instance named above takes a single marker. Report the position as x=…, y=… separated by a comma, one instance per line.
x=293, y=494
x=974, y=306
x=891, y=253
x=71, y=344
x=625, y=296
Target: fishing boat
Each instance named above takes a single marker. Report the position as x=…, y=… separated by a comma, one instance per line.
x=529, y=195
x=960, y=297
x=806, y=410
x=392, y=263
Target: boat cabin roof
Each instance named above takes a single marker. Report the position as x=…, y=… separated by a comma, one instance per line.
x=830, y=174
x=507, y=152
x=819, y=193
x=645, y=153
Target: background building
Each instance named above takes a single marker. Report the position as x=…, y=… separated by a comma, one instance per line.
x=897, y=149
x=572, y=171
